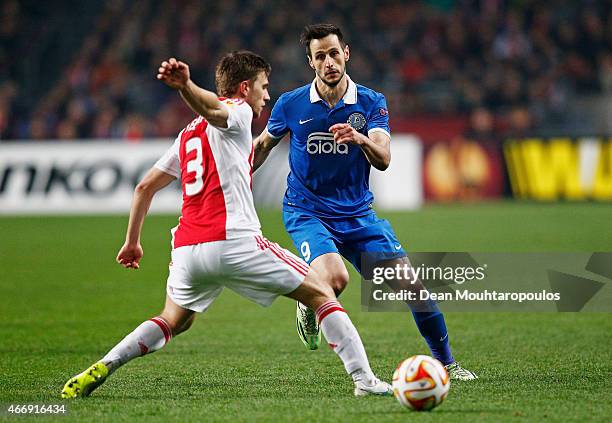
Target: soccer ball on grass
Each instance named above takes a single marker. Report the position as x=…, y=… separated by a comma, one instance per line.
x=420, y=383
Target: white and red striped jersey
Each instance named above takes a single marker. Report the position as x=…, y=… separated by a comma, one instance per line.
x=215, y=168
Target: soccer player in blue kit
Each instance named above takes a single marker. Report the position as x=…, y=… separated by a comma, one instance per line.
x=338, y=131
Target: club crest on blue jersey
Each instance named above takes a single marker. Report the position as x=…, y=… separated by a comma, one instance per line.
x=357, y=121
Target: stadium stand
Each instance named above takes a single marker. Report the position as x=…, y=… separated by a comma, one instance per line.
x=87, y=69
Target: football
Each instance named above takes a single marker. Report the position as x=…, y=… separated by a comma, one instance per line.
x=420, y=383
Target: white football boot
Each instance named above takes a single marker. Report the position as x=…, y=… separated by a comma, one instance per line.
x=456, y=372
x=373, y=387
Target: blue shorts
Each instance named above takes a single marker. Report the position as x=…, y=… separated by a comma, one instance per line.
x=350, y=237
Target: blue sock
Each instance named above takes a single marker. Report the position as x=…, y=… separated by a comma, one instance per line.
x=432, y=326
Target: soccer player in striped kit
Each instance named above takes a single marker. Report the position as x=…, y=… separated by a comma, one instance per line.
x=218, y=241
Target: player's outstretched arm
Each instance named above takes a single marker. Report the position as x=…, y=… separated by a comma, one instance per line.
x=131, y=252
x=262, y=145
x=175, y=74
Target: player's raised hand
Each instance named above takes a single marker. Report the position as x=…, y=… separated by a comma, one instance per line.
x=129, y=256
x=173, y=73
x=345, y=133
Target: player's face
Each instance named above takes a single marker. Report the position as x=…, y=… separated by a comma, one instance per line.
x=328, y=59
x=257, y=94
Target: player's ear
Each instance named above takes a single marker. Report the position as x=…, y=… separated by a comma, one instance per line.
x=347, y=54
x=310, y=61
x=243, y=88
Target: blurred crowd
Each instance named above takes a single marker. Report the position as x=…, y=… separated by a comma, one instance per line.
x=514, y=63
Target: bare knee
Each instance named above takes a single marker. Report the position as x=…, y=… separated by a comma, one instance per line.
x=338, y=280
x=331, y=271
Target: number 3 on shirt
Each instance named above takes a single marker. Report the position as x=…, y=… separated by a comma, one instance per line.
x=194, y=165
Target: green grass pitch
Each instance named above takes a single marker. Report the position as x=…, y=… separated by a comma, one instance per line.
x=65, y=303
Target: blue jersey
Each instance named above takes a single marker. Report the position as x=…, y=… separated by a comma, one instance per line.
x=327, y=179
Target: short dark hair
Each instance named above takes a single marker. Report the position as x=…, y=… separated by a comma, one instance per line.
x=318, y=31
x=238, y=66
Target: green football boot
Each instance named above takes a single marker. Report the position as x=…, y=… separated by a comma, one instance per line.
x=84, y=383
x=307, y=327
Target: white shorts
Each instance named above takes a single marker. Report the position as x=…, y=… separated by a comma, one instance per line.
x=251, y=266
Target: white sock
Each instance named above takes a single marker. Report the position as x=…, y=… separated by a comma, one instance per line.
x=343, y=338
x=150, y=336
